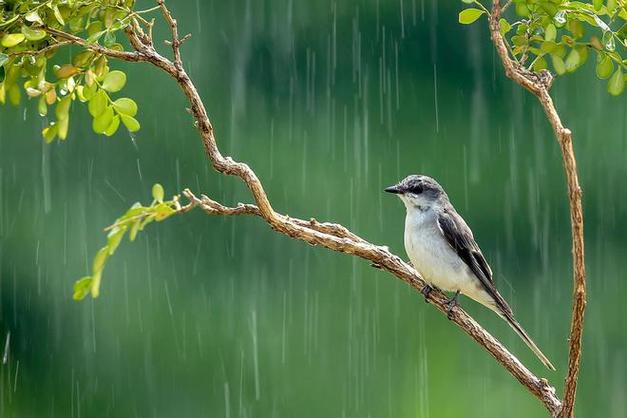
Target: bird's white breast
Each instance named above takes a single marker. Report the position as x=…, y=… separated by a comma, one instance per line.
x=433, y=257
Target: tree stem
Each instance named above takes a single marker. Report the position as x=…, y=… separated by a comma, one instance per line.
x=539, y=84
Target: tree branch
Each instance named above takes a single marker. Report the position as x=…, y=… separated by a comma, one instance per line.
x=329, y=235
x=539, y=84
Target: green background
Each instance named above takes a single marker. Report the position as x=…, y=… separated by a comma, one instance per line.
x=329, y=102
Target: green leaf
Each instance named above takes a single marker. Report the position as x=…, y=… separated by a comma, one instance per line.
x=33, y=17
x=504, y=26
x=125, y=106
x=99, y=260
x=113, y=126
x=616, y=85
x=134, y=230
x=42, y=107
x=10, y=40
x=8, y=22
x=114, y=81
x=103, y=121
x=522, y=9
x=558, y=64
x=572, y=61
x=33, y=34
x=130, y=122
x=97, y=104
x=82, y=288
x=109, y=39
x=158, y=192
x=15, y=96
x=94, y=37
x=549, y=46
x=63, y=125
x=115, y=237
x=95, y=284
x=468, y=1
x=57, y=15
x=611, y=6
x=83, y=58
x=597, y=4
x=550, y=32
x=163, y=211
x=540, y=64
x=66, y=71
x=467, y=16
x=3, y=58
x=604, y=67
x=63, y=108
x=49, y=133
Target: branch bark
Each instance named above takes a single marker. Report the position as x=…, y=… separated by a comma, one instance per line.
x=539, y=84
x=329, y=235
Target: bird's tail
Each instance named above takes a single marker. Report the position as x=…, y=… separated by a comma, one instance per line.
x=509, y=318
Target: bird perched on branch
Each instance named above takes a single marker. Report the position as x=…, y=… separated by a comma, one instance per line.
x=443, y=250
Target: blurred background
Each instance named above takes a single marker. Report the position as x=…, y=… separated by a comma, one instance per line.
x=329, y=102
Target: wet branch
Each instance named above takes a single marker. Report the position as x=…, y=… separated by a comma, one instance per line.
x=329, y=235
x=540, y=84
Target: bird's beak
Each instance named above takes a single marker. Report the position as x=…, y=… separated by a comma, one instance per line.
x=393, y=189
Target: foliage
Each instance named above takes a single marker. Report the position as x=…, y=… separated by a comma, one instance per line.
x=133, y=221
x=28, y=46
x=562, y=34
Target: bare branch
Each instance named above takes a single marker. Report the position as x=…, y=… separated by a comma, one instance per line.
x=176, y=41
x=539, y=84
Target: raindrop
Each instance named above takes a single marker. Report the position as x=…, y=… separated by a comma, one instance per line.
x=5, y=356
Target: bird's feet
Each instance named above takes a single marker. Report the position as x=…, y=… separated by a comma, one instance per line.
x=426, y=291
x=450, y=304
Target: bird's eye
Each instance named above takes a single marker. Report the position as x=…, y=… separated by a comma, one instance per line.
x=416, y=189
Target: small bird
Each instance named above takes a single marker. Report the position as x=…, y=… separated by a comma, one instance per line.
x=442, y=249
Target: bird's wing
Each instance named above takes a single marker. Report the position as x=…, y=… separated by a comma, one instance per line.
x=460, y=238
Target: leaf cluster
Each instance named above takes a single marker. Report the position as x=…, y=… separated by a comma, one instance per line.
x=561, y=35
x=28, y=67
x=132, y=222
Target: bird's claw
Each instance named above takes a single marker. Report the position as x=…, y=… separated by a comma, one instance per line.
x=426, y=291
x=450, y=304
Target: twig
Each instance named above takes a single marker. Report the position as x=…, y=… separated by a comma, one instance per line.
x=42, y=51
x=539, y=84
x=329, y=235
x=176, y=42
x=73, y=39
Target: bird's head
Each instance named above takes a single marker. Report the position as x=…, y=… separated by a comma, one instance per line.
x=418, y=192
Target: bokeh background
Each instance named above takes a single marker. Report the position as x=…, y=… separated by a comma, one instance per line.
x=329, y=101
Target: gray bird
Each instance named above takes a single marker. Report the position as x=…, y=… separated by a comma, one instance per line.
x=442, y=249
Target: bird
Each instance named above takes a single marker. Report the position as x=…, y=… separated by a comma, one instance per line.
x=442, y=248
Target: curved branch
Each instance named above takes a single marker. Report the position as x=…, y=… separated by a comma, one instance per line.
x=539, y=84
x=329, y=235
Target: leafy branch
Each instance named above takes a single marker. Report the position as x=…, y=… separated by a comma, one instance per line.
x=132, y=222
x=29, y=32
x=563, y=33
x=544, y=17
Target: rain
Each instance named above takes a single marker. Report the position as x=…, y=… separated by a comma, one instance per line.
x=329, y=102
